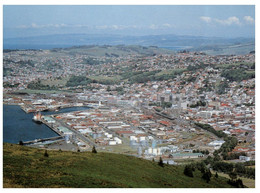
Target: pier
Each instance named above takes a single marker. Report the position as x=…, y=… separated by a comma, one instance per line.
x=53, y=127
x=33, y=109
x=43, y=140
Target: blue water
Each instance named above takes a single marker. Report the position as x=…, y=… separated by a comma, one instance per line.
x=18, y=125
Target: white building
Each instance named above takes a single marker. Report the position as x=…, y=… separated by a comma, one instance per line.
x=118, y=141
x=244, y=158
x=216, y=144
x=112, y=143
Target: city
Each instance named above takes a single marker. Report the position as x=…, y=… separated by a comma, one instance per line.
x=129, y=117
x=178, y=105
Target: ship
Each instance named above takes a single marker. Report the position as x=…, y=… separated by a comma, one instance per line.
x=37, y=117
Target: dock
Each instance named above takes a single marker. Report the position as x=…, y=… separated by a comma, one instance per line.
x=53, y=127
x=33, y=109
x=43, y=140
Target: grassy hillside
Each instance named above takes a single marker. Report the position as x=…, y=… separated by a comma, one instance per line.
x=28, y=167
x=236, y=49
x=113, y=51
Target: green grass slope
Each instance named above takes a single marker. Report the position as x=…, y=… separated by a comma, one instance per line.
x=28, y=167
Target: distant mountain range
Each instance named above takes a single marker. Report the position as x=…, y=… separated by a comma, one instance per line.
x=173, y=42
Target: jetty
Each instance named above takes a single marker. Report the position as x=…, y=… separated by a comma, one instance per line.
x=43, y=140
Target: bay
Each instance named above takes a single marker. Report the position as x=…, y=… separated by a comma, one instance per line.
x=18, y=125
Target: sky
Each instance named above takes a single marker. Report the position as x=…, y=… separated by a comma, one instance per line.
x=197, y=20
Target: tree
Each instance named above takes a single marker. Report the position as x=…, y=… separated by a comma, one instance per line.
x=94, y=149
x=207, y=175
x=239, y=183
x=208, y=160
x=233, y=175
x=188, y=171
x=160, y=163
x=108, y=88
x=201, y=166
x=46, y=154
x=216, y=158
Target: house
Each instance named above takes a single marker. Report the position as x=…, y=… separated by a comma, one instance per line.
x=125, y=133
x=216, y=144
x=244, y=158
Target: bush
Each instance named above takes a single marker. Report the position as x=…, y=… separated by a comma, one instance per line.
x=46, y=154
x=188, y=171
x=207, y=127
x=237, y=74
x=160, y=163
x=206, y=176
x=94, y=149
x=237, y=183
x=223, y=167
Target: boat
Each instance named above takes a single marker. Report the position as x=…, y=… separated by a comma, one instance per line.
x=37, y=117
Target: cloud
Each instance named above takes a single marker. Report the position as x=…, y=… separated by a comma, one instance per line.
x=101, y=27
x=206, y=19
x=162, y=26
x=115, y=27
x=167, y=25
x=36, y=26
x=153, y=26
x=22, y=26
x=249, y=20
x=229, y=21
x=97, y=27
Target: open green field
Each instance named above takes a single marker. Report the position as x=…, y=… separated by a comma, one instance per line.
x=239, y=49
x=250, y=183
x=170, y=71
x=234, y=64
x=115, y=78
x=55, y=82
x=28, y=167
x=114, y=51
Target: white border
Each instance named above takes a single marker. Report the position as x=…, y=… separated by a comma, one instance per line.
x=135, y=2
x=129, y=2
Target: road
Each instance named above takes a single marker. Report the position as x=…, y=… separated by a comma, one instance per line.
x=77, y=133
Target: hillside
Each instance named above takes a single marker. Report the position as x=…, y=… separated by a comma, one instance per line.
x=232, y=49
x=28, y=167
x=112, y=51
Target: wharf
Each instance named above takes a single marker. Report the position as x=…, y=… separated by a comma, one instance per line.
x=33, y=109
x=53, y=127
x=43, y=140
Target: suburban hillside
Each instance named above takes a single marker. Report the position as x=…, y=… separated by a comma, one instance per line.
x=25, y=167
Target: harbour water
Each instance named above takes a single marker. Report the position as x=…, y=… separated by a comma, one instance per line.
x=18, y=125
